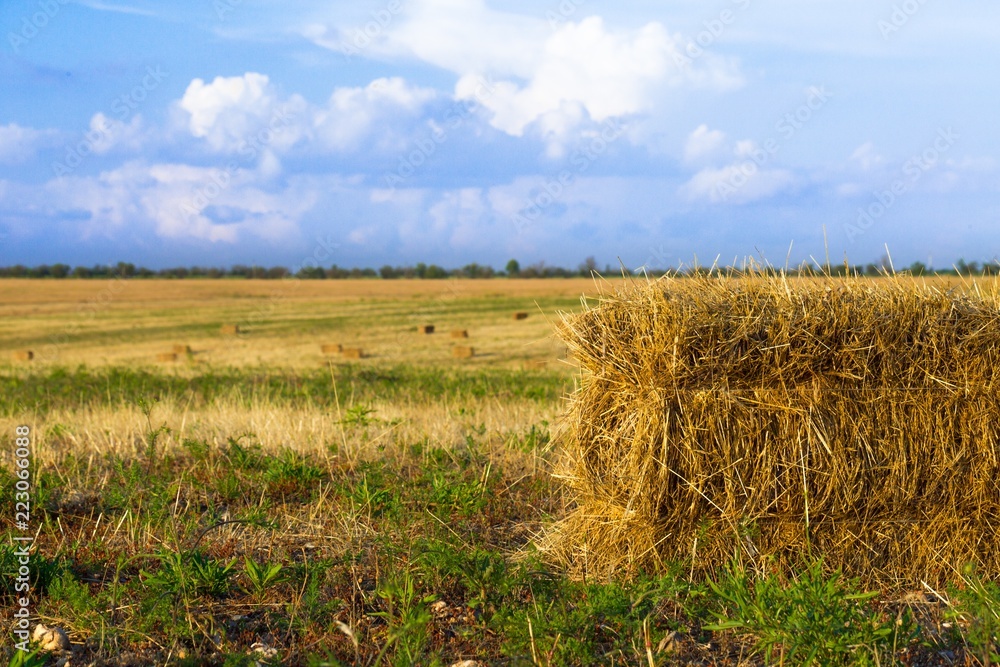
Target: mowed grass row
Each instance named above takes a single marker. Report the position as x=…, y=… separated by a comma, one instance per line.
x=390, y=538
x=24, y=393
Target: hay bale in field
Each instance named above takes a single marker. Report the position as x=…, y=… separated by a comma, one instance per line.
x=463, y=352
x=182, y=349
x=520, y=316
x=24, y=355
x=230, y=329
x=331, y=348
x=426, y=328
x=167, y=357
x=459, y=333
x=353, y=353
x=856, y=419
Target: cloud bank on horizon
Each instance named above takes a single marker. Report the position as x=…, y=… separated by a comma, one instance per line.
x=458, y=131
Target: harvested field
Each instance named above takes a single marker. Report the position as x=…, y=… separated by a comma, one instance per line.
x=854, y=420
x=101, y=322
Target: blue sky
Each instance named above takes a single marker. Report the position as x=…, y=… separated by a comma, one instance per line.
x=456, y=131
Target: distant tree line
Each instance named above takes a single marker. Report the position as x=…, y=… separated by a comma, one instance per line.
x=422, y=271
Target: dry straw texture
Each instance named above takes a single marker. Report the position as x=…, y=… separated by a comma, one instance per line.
x=463, y=352
x=459, y=333
x=332, y=348
x=854, y=419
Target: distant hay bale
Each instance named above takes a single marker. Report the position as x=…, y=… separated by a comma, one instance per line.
x=463, y=352
x=331, y=348
x=459, y=333
x=230, y=329
x=24, y=355
x=182, y=349
x=521, y=316
x=167, y=357
x=426, y=329
x=353, y=353
x=853, y=419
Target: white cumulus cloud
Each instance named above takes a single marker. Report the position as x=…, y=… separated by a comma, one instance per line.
x=19, y=144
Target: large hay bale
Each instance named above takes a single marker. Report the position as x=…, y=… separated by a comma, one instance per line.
x=463, y=352
x=854, y=419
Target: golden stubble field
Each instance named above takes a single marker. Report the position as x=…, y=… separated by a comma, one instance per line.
x=284, y=323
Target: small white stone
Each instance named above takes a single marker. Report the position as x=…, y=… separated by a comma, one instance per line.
x=263, y=650
x=468, y=663
x=50, y=639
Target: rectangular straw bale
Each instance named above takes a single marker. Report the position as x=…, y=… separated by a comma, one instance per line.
x=459, y=333
x=520, y=316
x=167, y=357
x=24, y=355
x=353, y=353
x=426, y=329
x=463, y=352
x=182, y=349
x=230, y=329
x=856, y=418
x=331, y=348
